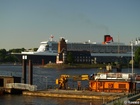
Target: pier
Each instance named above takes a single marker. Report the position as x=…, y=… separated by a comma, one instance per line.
x=19, y=88
x=75, y=94
x=107, y=98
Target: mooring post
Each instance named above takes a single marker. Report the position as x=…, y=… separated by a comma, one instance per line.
x=24, y=58
x=43, y=62
x=30, y=72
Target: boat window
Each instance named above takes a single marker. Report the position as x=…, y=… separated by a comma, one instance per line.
x=122, y=85
x=1, y=83
x=110, y=85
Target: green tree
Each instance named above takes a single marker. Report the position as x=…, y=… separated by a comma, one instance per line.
x=35, y=49
x=18, y=50
x=2, y=54
x=5, y=56
x=11, y=58
x=137, y=56
x=70, y=58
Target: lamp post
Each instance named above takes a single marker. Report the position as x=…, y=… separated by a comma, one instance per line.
x=24, y=58
x=132, y=58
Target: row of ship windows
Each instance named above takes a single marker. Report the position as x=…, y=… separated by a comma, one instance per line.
x=99, y=48
x=86, y=47
x=82, y=57
x=110, y=49
x=112, y=85
x=82, y=60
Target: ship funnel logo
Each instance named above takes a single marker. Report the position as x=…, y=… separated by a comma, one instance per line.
x=107, y=39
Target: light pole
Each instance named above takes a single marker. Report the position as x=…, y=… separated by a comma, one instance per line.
x=132, y=58
x=24, y=58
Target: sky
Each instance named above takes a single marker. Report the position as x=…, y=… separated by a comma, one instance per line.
x=25, y=23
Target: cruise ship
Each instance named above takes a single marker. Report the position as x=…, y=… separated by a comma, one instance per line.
x=107, y=51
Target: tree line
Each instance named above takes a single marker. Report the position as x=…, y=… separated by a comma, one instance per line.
x=137, y=57
x=6, y=56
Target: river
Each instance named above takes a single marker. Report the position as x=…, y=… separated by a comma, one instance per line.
x=44, y=78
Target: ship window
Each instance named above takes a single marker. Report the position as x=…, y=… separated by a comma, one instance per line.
x=110, y=85
x=1, y=82
x=100, y=84
x=122, y=85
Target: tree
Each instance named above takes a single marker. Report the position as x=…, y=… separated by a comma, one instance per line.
x=70, y=58
x=11, y=58
x=35, y=49
x=137, y=56
x=2, y=54
x=5, y=56
x=18, y=50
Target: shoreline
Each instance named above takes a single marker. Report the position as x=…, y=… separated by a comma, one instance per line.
x=73, y=66
x=68, y=66
x=78, y=66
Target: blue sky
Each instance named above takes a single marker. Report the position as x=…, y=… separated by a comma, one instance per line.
x=25, y=23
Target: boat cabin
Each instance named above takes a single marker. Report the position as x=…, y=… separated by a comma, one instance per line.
x=112, y=82
x=8, y=79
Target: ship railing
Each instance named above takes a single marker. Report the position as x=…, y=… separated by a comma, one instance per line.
x=118, y=76
x=21, y=86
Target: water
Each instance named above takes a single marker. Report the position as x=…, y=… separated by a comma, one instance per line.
x=43, y=78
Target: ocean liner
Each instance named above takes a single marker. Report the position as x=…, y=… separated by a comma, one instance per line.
x=107, y=51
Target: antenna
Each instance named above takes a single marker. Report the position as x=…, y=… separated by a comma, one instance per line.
x=132, y=57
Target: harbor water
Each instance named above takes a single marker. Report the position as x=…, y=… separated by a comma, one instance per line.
x=45, y=78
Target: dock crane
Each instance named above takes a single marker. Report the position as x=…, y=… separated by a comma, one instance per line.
x=62, y=81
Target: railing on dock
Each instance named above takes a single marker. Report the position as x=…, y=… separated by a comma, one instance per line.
x=21, y=86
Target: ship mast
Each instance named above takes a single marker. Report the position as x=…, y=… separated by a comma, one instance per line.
x=119, y=57
x=118, y=47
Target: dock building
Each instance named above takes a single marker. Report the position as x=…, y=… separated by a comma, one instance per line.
x=75, y=56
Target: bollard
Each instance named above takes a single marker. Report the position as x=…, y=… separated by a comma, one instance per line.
x=30, y=72
x=43, y=62
x=23, y=71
